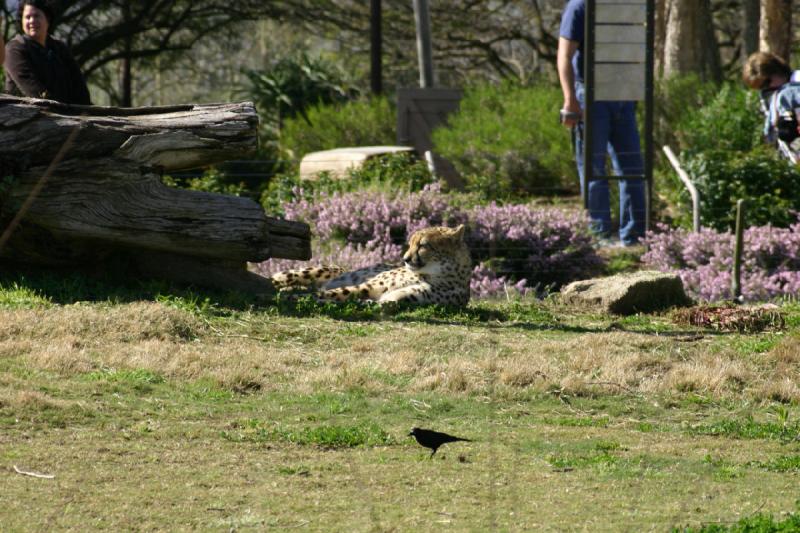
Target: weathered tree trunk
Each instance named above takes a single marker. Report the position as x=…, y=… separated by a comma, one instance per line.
x=751, y=23
x=106, y=196
x=775, y=30
x=660, y=36
x=690, y=45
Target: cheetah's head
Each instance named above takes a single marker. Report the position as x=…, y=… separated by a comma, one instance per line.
x=430, y=248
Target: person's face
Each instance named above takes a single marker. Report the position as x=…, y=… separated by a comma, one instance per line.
x=34, y=23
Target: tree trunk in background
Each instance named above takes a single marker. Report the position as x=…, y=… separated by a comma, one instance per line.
x=660, y=36
x=126, y=81
x=775, y=28
x=750, y=26
x=690, y=46
x=376, y=47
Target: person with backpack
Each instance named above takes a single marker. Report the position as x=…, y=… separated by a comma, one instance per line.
x=780, y=94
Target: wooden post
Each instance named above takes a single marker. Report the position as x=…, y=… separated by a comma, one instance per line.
x=424, y=48
x=376, y=47
x=736, y=282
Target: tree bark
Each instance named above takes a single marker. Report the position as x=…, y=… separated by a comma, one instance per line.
x=690, y=45
x=751, y=23
x=376, y=47
x=660, y=36
x=107, y=195
x=775, y=28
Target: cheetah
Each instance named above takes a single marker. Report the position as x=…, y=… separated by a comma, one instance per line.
x=436, y=269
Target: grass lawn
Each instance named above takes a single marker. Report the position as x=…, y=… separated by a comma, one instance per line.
x=162, y=410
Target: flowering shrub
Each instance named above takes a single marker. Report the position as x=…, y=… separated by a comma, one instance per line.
x=704, y=261
x=365, y=217
x=517, y=247
x=550, y=245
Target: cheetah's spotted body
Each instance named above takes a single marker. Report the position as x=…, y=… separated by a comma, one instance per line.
x=436, y=270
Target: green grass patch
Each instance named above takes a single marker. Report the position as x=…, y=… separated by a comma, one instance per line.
x=749, y=429
x=644, y=323
x=207, y=390
x=17, y=296
x=722, y=469
x=297, y=470
x=759, y=523
x=623, y=260
x=602, y=454
x=784, y=463
x=747, y=346
x=577, y=421
x=326, y=436
x=135, y=376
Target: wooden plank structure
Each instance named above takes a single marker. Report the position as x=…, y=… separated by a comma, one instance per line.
x=105, y=198
x=419, y=112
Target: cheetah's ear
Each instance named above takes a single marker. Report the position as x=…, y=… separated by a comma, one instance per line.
x=459, y=232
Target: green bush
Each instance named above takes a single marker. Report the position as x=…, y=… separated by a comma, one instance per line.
x=364, y=122
x=718, y=131
x=507, y=142
x=289, y=87
x=732, y=120
x=393, y=172
x=770, y=185
x=239, y=178
x=677, y=98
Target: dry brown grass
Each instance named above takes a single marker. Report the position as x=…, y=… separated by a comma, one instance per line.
x=258, y=352
x=131, y=455
x=28, y=400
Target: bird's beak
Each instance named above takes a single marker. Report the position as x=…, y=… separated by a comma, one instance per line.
x=411, y=434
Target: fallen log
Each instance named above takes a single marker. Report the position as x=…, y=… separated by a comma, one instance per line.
x=106, y=195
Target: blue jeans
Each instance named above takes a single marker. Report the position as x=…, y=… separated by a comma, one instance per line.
x=614, y=132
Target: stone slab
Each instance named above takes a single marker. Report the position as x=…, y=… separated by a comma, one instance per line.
x=340, y=160
x=644, y=291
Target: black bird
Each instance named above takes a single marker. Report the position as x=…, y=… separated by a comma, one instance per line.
x=433, y=439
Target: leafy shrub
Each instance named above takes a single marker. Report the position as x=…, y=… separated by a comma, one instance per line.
x=522, y=246
x=770, y=185
x=292, y=85
x=210, y=180
x=704, y=261
x=239, y=178
x=722, y=150
x=364, y=122
x=677, y=99
x=391, y=172
x=732, y=120
x=506, y=141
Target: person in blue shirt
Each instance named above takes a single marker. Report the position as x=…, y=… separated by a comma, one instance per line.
x=614, y=132
x=780, y=94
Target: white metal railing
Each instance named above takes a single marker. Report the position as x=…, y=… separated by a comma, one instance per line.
x=687, y=181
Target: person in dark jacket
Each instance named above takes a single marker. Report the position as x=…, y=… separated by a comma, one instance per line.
x=38, y=65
